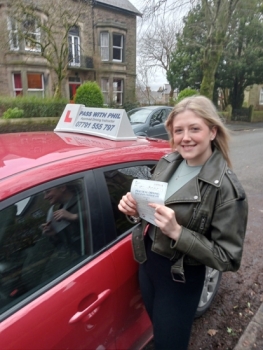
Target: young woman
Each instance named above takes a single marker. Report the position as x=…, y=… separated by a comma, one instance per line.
x=202, y=223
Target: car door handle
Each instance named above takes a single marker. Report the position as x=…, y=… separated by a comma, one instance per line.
x=80, y=315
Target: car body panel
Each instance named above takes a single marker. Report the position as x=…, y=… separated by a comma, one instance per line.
x=45, y=322
x=97, y=303
x=63, y=157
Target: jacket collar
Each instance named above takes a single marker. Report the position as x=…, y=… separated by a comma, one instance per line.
x=212, y=172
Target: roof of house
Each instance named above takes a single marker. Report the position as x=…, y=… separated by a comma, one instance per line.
x=121, y=4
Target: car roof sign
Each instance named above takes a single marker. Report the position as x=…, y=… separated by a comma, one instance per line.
x=108, y=123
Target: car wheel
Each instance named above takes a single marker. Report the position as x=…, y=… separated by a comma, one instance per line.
x=211, y=285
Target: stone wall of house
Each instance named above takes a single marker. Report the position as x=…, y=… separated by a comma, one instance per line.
x=252, y=96
x=123, y=23
x=97, y=18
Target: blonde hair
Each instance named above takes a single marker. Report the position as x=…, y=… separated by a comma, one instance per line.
x=205, y=109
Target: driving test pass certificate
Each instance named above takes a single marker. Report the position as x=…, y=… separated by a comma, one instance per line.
x=147, y=191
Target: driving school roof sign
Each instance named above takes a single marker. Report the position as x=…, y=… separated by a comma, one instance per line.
x=111, y=124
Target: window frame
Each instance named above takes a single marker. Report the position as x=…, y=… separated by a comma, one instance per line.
x=105, y=46
x=117, y=95
x=42, y=89
x=118, y=48
x=13, y=33
x=35, y=34
x=90, y=254
x=101, y=185
x=74, y=47
x=105, y=85
x=17, y=90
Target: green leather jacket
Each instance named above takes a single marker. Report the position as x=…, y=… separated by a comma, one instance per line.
x=212, y=209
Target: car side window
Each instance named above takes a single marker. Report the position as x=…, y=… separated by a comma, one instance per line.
x=41, y=237
x=166, y=114
x=119, y=183
x=157, y=116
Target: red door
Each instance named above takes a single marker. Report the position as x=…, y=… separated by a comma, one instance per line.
x=72, y=90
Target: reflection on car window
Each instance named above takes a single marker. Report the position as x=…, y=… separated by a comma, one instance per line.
x=139, y=115
x=41, y=237
x=119, y=183
x=158, y=116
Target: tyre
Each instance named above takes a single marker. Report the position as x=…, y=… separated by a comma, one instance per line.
x=211, y=285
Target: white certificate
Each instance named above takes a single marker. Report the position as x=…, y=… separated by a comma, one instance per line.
x=147, y=191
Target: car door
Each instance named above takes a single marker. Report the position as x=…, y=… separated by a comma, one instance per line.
x=62, y=297
x=133, y=325
x=157, y=127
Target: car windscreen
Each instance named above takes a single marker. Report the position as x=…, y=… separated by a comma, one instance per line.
x=138, y=116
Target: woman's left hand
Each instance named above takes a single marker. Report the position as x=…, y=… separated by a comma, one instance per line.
x=165, y=219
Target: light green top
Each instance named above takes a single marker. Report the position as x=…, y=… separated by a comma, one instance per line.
x=183, y=174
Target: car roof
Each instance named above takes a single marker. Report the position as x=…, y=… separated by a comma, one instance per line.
x=29, y=159
x=155, y=107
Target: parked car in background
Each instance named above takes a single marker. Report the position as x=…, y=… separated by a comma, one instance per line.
x=74, y=288
x=149, y=121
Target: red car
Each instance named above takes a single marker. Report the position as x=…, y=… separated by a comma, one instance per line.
x=71, y=282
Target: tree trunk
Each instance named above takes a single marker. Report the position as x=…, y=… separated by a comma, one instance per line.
x=57, y=93
x=210, y=65
x=237, y=95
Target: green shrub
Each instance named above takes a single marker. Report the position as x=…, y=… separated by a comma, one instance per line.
x=13, y=113
x=89, y=94
x=186, y=93
x=34, y=107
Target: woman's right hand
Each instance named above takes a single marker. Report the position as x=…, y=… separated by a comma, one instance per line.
x=128, y=205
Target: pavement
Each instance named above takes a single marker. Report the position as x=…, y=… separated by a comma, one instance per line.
x=239, y=126
x=252, y=338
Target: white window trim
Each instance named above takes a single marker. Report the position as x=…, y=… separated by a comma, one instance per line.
x=35, y=33
x=74, y=54
x=12, y=33
x=118, y=92
x=104, y=46
x=119, y=48
x=105, y=83
x=14, y=88
x=38, y=90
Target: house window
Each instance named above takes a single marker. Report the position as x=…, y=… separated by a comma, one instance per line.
x=35, y=84
x=117, y=53
x=74, y=47
x=105, y=90
x=118, y=91
x=13, y=34
x=32, y=34
x=261, y=96
x=104, y=46
x=17, y=84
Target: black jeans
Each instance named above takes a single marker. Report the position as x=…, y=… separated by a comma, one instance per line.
x=171, y=305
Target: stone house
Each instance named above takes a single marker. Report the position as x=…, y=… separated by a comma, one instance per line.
x=101, y=48
x=254, y=96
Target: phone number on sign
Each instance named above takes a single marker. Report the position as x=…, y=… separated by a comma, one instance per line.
x=95, y=126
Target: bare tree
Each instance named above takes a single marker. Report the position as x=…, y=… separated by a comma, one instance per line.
x=53, y=20
x=143, y=90
x=217, y=19
x=156, y=45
